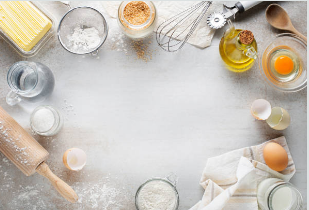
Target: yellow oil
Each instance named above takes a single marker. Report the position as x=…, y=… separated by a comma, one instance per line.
x=234, y=58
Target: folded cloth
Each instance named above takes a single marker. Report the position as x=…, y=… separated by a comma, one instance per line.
x=231, y=180
x=166, y=9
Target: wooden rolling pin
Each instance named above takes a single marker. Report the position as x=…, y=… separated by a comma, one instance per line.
x=28, y=155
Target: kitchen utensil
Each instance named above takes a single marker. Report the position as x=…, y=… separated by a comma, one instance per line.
x=279, y=18
x=295, y=44
x=29, y=81
x=82, y=17
x=28, y=155
x=218, y=19
x=173, y=33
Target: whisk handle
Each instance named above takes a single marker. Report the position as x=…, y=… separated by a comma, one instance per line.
x=245, y=5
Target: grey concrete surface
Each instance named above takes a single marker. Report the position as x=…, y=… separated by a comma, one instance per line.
x=137, y=120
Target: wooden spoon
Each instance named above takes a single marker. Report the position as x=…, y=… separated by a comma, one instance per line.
x=279, y=18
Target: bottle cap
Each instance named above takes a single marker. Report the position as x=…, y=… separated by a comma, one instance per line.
x=246, y=37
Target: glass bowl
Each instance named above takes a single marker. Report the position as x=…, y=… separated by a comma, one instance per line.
x=54, y=128
x=299, y=47
x=83, y=18
x=165, y=180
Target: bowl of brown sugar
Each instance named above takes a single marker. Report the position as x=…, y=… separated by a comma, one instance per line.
x=137, y=18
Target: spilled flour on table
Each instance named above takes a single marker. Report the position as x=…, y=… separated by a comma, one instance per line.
x=100, y=196
x=29, y=193
x=140, y=50
x=103, y=192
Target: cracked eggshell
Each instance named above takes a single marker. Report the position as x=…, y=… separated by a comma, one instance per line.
x=74, y=159
x=261, y=109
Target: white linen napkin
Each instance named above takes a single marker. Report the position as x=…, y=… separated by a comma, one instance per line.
x=231, y=180
x=166, y=9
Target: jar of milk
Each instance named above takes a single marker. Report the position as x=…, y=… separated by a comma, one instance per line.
x=275, y=194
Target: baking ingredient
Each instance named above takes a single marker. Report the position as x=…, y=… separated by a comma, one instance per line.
x=238, y=49
x=136, y=12
x=74, y=159
x=137, y=18
x=157, y=195
x=23, y=23
x=282, y=198
x=43, y=120
x=46, y=121
x=284, y=65
x=275, y=156
x=276, y=194
x=261, y=109
x=84, y=39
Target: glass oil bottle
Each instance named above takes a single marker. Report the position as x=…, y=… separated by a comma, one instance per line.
x=238, y=49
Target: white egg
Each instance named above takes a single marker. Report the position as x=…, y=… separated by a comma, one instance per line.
x=74, y=159
x=260, y=109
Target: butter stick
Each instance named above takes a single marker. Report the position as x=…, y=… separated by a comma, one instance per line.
x=23, y=23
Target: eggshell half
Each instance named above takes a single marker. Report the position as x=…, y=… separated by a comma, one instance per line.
x=275, y=156
x=74, y=159
x=260, y=109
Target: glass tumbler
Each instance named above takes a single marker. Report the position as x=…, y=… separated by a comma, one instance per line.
x=29, y=81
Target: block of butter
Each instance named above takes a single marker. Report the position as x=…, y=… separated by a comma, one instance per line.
x=23, y=22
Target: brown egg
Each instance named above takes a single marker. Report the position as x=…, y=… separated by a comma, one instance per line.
x=275, y=156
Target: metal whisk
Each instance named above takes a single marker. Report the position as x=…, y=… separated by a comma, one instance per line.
x=173, y=33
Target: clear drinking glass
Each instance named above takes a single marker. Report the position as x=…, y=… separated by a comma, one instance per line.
x=29, y=81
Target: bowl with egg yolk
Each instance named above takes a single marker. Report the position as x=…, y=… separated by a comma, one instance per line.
x=283, y=63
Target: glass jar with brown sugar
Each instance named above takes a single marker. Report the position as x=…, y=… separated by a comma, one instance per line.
x=137, y=18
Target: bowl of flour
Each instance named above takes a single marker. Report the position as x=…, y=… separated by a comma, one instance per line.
x=157, y=194
x=82, y=30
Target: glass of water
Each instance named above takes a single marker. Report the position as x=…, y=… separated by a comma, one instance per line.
x=29, y=81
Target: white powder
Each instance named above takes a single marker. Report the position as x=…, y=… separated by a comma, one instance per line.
x=84, y=39
x=43, y=120
x=157, y=195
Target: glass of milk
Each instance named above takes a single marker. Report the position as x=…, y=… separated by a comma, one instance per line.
x=275, y=194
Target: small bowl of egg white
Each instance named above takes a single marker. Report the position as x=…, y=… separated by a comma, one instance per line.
x=82, y=30
x=283, y=63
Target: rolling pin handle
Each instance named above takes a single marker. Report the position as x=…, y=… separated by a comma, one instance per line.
x=63, y=188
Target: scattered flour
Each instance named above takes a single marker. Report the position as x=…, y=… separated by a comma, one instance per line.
x=84, y=39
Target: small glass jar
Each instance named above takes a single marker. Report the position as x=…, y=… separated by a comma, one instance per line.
x=137, y=32
x=169, y=182
x=46, y=121
x=275, y=194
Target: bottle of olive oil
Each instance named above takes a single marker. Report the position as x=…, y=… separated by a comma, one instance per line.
x=238, y=49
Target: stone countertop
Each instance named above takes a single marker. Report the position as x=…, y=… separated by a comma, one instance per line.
x=143, y=118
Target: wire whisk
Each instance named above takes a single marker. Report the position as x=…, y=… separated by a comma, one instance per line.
x=173, y=33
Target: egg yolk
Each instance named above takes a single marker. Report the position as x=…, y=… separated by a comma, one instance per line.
x=284, y=65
